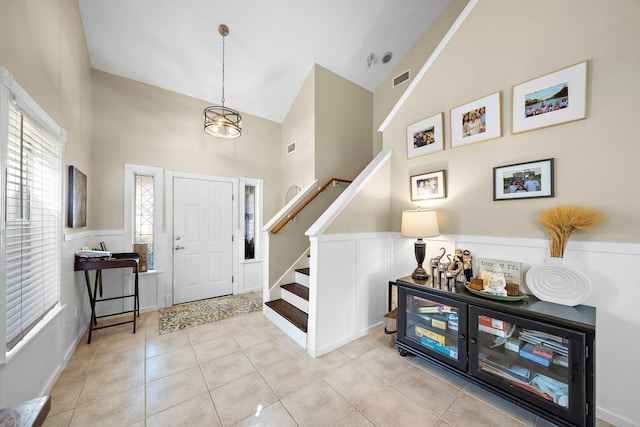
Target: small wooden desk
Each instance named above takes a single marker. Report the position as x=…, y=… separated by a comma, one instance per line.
x=119, y=260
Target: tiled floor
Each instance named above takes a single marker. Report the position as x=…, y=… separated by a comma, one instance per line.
x=245, y=372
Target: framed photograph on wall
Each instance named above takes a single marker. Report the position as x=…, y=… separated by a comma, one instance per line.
x=77, y=198
x=428, y=186
x=549, y=100
x=523, y=180
x=476, y=121
x=425, y=136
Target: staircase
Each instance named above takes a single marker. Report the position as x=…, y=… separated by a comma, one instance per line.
x=290, y=311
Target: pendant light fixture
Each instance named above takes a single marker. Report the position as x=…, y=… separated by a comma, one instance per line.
x=219, y=120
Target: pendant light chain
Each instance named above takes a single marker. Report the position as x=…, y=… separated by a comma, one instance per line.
x=219, y=120
x=223, y=37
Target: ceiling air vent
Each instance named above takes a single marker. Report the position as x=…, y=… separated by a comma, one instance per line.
x=291, y=148
x=400, y=78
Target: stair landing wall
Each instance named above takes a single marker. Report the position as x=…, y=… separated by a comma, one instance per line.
x=348, y=288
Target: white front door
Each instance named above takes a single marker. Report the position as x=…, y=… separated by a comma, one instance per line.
x=202, y=239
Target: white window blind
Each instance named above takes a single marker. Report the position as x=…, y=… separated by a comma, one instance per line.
x=32, y=218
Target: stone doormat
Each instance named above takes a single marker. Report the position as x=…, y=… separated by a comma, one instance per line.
x=190, y=314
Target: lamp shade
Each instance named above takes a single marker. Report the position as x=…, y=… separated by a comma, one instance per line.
x=419, y=223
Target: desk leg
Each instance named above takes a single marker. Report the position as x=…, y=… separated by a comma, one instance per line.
x=92, y=302
x=137, y=292
x=136, y=300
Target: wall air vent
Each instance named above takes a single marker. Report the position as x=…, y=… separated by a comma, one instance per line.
x=400, y=78
x=291, y=148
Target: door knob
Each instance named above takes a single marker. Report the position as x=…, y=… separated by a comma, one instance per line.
x=177, y=248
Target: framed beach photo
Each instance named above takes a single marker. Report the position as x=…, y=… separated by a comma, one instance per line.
x=549, y=100
x=428, y=186
x=425, y=136
x=523, y=180
x=476, y=121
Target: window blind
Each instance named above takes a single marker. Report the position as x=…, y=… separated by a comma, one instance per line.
x=33, y=181
x=32, y=147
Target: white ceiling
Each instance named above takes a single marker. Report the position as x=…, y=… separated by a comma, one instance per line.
x=271, y=47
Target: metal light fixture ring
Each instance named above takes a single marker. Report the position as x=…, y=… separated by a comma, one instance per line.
x=222, y=122
x=219, y=120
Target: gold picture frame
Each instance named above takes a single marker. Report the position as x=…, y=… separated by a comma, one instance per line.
x=477, y=121
x=426, y=136
x=552, y=99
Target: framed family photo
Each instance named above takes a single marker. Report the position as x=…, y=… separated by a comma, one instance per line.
x=523, y=180
x=549, y=100
x=428, y=186
x=476, y=121
x=425, y=136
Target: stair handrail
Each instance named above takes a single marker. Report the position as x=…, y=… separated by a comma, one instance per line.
x=304, y=204
x=343, y=200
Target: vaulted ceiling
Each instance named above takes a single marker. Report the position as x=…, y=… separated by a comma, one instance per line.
x=271, y=47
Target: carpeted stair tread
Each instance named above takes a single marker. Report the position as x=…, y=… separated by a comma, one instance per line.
x=297, y=289
x=294, y=315
x=305, y=271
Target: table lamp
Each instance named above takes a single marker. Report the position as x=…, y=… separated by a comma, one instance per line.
x=419, y=223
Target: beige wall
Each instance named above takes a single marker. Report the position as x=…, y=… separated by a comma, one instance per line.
x=369, y=210
x=326, y=121
x=385, y=95
x=299, y=125
x=503, y=43
x=342, y=120
x=330, y=121
x=141, y=124
x=42, y=45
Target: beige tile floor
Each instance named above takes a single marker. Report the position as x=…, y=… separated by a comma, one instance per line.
x=245, y=372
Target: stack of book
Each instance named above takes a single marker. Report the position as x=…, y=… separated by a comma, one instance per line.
x=553, y=342
x=527, y=351
x=452, y=321
x=492, y=326
x=544, y=348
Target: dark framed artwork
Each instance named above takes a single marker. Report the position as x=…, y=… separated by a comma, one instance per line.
x=428, y=186
x=77, y=198
x=523, y=180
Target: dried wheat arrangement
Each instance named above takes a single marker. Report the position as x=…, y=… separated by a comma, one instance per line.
x=562, y=221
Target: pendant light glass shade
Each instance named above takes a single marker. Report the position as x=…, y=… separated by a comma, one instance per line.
x=219, y=120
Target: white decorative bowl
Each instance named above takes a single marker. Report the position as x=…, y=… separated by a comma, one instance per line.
x=555, y=281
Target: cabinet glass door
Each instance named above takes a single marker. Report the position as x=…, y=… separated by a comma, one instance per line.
x=541, y=363
x=434, y=327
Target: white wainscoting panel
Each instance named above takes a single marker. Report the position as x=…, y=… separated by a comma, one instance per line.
x=348, y=290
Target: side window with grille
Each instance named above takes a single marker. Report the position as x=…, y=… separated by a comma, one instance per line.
x=144, y=216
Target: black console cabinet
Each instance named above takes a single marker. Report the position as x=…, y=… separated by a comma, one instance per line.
x=536, y=354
